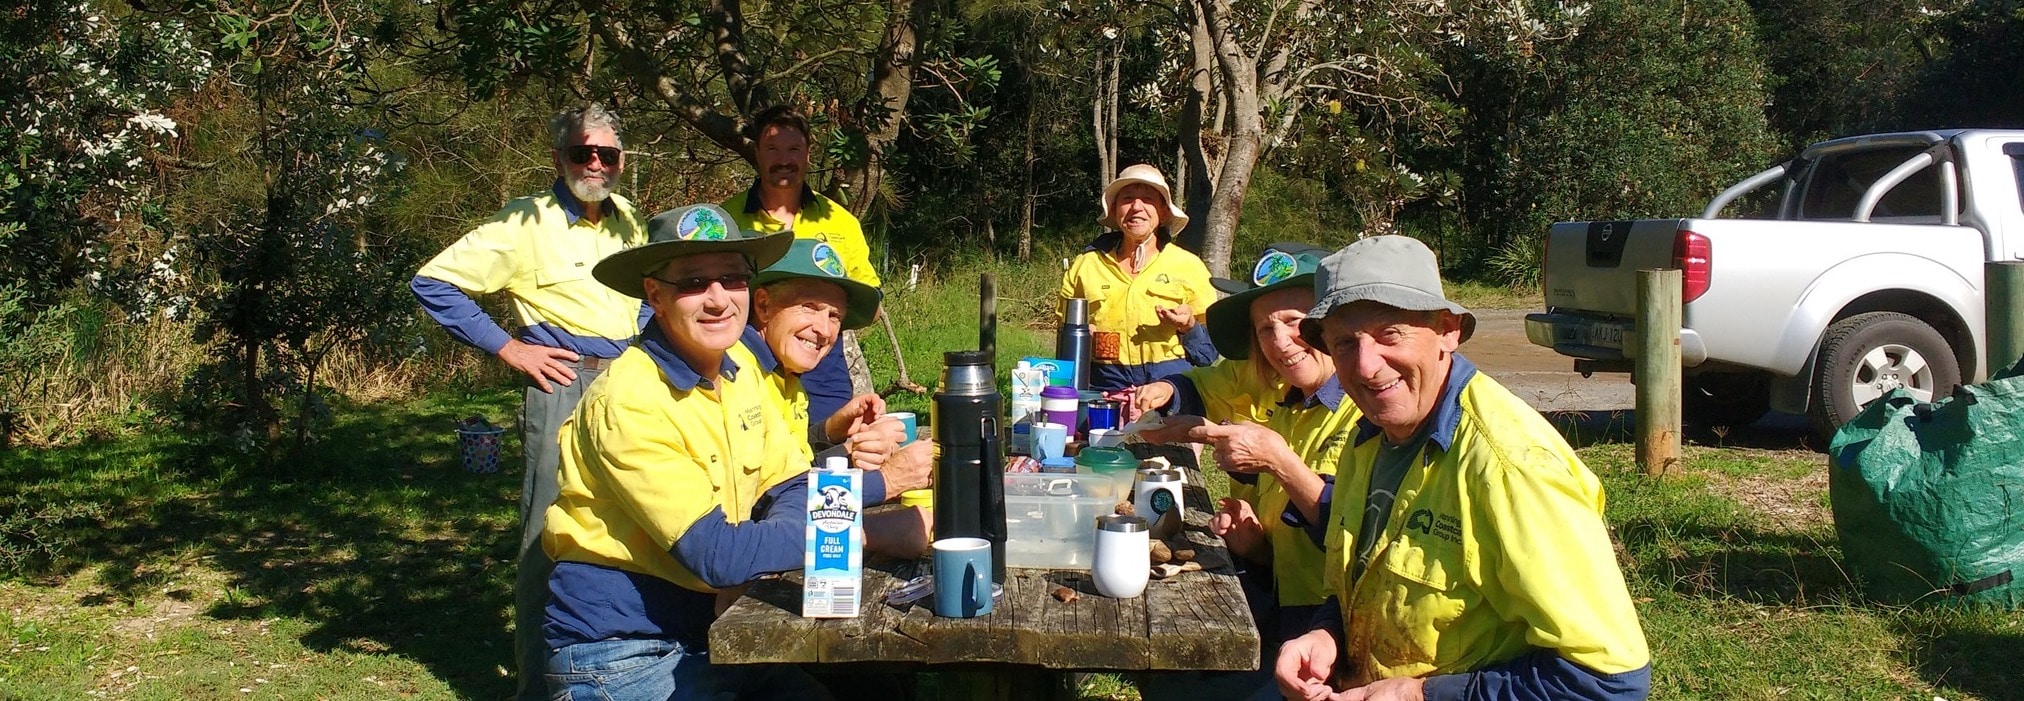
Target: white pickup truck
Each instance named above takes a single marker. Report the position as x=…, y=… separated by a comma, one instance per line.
x=1862, y=275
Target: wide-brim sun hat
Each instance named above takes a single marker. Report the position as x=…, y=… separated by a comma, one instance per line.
x=686, y=231
x=815, y=260
x=1142, y=173
x=1280, y=266
x=1395, y=271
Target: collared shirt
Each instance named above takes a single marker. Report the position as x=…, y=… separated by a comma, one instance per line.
x=1229, y=390
x=1494, y=570
x=539, y=250
x=820, y=218
x=1317, y=427
x=669, y=491
x=1126, y=304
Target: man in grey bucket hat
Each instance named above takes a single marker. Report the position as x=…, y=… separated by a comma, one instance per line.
x=1467, y=555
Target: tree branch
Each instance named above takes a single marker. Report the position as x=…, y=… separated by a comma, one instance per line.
x=724, y=130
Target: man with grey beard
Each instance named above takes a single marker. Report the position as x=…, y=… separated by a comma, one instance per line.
x=539, y=250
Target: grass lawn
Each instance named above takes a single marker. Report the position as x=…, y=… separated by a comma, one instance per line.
x=371, y=566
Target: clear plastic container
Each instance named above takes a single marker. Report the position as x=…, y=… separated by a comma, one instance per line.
x=1050, y=519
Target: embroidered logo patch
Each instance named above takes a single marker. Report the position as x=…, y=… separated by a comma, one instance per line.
x=702, y=224
x=1275, y=267
x=826, y=260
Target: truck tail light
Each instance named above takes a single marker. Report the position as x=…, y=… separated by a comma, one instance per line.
x=1693, y=256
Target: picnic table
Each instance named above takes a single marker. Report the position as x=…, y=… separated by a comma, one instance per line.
x=1195, y=621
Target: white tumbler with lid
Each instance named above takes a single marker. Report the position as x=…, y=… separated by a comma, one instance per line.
x=1121, y=566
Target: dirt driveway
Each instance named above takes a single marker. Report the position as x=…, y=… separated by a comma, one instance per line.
x=1543, y=378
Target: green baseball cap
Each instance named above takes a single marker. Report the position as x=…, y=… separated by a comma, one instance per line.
x=1280, y=265
x=686, y=231
x=815, y=260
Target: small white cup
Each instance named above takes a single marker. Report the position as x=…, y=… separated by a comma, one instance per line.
x=1120, y=566
x=1105, y=438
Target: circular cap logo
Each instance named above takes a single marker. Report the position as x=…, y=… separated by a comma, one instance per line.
x=826, y=260
x=702, y=224
x=1276, y=266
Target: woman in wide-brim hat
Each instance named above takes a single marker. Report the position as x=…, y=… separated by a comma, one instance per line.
x=1146, y=296
x=1276, y=466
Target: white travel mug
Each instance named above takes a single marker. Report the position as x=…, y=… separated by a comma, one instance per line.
x=1157, y=492
x=1121, y=564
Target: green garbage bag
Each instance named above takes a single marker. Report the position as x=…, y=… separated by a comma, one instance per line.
x=1929, y=498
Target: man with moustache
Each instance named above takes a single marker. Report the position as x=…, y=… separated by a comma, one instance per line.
x=781, y=200
x=539, y=251
x=1467, y=556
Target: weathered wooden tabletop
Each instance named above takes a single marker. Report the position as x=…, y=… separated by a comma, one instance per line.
x=1193, y=621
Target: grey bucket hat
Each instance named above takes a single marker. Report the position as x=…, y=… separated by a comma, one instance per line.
x=1395, y=271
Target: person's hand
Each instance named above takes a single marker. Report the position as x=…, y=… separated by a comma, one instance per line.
x=1239, y=528
x=1152, y=396
x=1179, y=316
x=1246, y=447
x=871, y=443
x=540, y=363
x=1173, y=429
x=909, y=468
x=867, y=406
x=1396, y=689
x=1304, y=666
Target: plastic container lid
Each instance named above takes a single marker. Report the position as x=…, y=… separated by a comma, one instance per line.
x=1059, y=392
x=1057, y=465
x=1105, y=459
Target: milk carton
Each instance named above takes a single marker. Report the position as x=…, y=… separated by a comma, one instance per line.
x=1059, y=372
x=1027, y=383
x=833, y=566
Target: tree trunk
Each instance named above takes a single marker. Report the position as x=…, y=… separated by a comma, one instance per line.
x=892, y=83
x=1116, y=62
x=1196, y=176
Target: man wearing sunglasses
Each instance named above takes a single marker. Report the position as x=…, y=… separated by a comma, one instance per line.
x=539, y=251
x=677, y=483
x=781, y=200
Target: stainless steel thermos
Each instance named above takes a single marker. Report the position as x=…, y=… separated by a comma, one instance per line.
x=969, y=475
x=1071, y=341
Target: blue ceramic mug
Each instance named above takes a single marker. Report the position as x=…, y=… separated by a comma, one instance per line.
x=962, y=577
x=908, y=423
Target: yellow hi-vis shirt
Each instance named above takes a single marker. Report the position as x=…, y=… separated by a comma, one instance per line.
x=531, y=251
x=643, y=460
x=820, y=218
x=1317, y=429
x=1495, y=545
x=1234, y=390
x=1124, y=304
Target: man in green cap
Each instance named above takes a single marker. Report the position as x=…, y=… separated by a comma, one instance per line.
x=669, y=490
x=800, y=307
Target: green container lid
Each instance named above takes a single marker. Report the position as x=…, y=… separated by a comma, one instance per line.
x=1106, y=459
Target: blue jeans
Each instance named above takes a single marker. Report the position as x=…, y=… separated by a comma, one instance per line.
x=665, y=670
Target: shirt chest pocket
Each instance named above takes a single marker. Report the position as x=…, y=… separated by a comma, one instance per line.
x=561, y=271
x=1167, y=294
x=1422, y=587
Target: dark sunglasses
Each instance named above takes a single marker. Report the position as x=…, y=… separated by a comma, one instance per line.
x=581, y=155
x=732, y=282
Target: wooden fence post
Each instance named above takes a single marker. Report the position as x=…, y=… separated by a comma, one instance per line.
x=1657, y=370
x=2003, y=309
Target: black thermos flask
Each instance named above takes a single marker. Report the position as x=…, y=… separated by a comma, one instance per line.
x=1071, y=341
x=969, y=478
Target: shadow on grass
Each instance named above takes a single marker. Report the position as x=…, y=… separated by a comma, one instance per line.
x=373, y=535
x=1773, y=432
x=1979, y=662
x=1739, y=562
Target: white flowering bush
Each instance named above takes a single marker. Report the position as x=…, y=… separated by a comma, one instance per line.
x=86, y=100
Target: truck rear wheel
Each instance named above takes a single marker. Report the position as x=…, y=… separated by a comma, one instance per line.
x=1732, y=399
x=1866, y=355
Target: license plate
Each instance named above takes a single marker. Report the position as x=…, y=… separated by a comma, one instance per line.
x=1605, y=336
